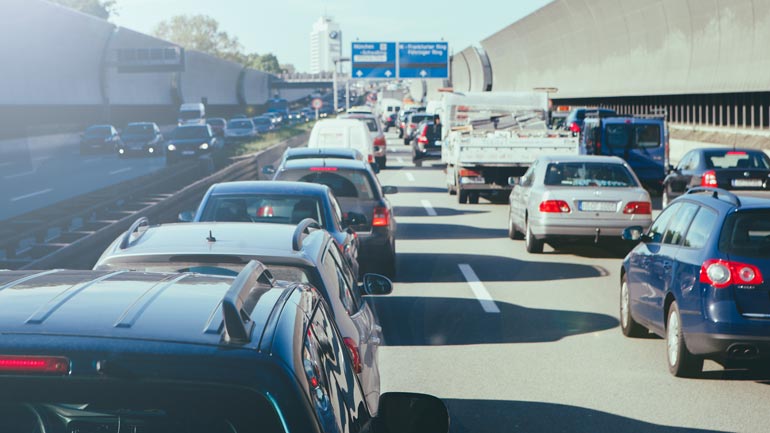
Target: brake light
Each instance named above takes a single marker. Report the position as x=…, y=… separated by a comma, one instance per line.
x=709, y=178
x=412, y=126
x=380, y=141
x=371, y=159
x=574, y=127
x=734, y=152
x=323, y=168
x=638, y=208
x=464, y=172
x=34, y=364
x=381, y=216
x=354, y=355
x=554, y=206
x=422, y=139
x=723, y=273
x=266, y=211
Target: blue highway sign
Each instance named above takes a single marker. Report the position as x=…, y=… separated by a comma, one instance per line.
x=373, y=60
x=423, y=59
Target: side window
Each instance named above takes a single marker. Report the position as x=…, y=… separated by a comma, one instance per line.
x=337, y=280
x=685, y=164
x=694, y=161
x=678, y=226
x=659, y=226
x=335, y=209
x=529, y=176
x=702, y=226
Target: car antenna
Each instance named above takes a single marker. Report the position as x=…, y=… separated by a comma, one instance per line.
x=211, y=237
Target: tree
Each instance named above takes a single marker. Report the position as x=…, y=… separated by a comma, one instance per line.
x=200, y=33
x=99, y=8
x=267, y=63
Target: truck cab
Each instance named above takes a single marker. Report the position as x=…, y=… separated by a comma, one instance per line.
x=192, y=114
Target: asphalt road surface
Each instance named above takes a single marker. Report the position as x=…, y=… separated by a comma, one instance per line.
x=519, y=342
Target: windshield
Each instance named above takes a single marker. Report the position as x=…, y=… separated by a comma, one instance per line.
x=191, y=132
x=240, y=124
x=190, y=115
x=280, y=209
x=574, y=174
x=262, y=121
x=142, y=129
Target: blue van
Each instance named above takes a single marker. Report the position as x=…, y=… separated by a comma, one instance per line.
x=641, y=141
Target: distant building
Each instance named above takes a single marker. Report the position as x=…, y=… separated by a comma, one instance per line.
x=325, y=45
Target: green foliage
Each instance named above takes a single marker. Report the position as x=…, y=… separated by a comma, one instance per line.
x=99, y=8
x=202, y=33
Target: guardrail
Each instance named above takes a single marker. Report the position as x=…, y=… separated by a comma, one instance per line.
x=84, y=226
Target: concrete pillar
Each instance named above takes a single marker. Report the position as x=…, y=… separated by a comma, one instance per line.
x=753, y=117
x=700, y=114
x=743, y=116
x=761, y=117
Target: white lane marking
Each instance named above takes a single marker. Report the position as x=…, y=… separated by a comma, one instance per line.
x=400, y=160
x=22, y=197
x=478, y=288
x=410, y=177
x=122, y=170
x=26, y=173
x=428, y=208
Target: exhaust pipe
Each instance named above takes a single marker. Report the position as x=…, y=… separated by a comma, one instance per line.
x=743, y=351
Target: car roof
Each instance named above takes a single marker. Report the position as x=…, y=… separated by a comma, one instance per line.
x=704, y=195
x=126, y=305
x=583, y=158
x=331, y=123
x=351, y=164
x=323, y=152
x=728, y=149
x=244, y=239
x=269, y=187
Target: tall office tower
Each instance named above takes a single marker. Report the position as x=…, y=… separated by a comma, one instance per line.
x=325, y=45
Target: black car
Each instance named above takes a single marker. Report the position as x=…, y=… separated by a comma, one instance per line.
x=278, y=203
x=574, y=122
x=730, y=169
x=410, y=126
x=424, y=144
x=99, y=138
x=183, y=353
x=141, y=138
x=364, y=206
x=190, y=141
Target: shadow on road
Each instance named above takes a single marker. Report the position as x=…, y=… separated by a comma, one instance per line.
x=420, y=189
x=603, y=250
x=495, y=416
x=419, y=211
x=414, y=231
x=429, y=321
x=442, y=268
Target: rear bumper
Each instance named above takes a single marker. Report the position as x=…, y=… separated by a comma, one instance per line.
x=586, y=228
x=375, y=244
x=729, y=346
x=429, y=153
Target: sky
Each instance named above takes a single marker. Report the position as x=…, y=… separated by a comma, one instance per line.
x=283, y=26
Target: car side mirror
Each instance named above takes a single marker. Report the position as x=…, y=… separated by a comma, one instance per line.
x=513, y=181
x=671, y=169
x=376, y=284
x=402, y=412
x=268, y=170
x=635, y=234
x=187, y=216
x=390, y=189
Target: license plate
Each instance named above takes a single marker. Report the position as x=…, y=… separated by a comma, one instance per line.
x=188, y=152
x=598, y=206
x=747, y=182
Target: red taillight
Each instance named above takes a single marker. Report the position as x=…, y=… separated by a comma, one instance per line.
x=380, y=141
x=371, y=159
x=412, y=126
x=735, y=152
x=323, y=168
x=723, y=273
x=709, y=178
x=574, y=127
x=422, y=139
x=403, y=125
x=34, y=364
x=464, y=172
x=354, y=355
x=554, y=206
x=638, y=208
x=265, y=211
x=381, y=217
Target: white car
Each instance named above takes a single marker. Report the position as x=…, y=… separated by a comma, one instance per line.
x=375, y=133
x=576, y=197
x=350, y=133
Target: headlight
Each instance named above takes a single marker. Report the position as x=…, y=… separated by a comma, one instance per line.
x=204, y=146
x=121, y=151
x=151, y=150
x=171, y=148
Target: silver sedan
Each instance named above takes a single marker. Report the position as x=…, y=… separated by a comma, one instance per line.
x=574, y=198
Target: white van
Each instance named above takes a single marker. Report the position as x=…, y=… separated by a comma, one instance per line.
x=387, y=107
x=349, y=133
x=192, y=114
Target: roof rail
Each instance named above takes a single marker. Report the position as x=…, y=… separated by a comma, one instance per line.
x=126, y=242
x=239, y=301
x=303, y=228
x=717, y=193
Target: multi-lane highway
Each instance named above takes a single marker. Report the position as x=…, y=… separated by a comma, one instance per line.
x=519, y=342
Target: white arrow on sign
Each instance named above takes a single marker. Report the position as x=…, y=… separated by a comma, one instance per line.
x=388, y=73
x=359, y=73
x=423, y=73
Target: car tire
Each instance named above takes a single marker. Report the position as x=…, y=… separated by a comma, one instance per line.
x=462, y=196
x=532, y=244
x=382, y=162
x=681, y=363
x=473, y=198
x=513, y=233
x=630, y=327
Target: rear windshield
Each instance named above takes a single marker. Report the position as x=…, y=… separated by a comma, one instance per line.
x=137, y=409
x=239, y=124
x=262, y=208
x=589, y=174
x=191, y=132
x=417, y=118
x=343, y=182
x=736, y=159
x=640, y=135
x=747, y=234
